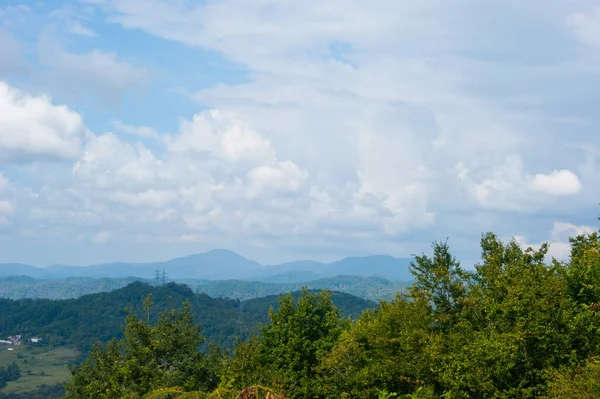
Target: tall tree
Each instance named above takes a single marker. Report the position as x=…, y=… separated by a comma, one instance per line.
x=147, y=358
x=440, y=280
x=386, y=349
x=289, y=349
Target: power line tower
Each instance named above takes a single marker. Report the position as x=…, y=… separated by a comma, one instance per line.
x=164, y=277
x=157, y=277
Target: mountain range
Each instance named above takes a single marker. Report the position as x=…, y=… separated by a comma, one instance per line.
x=220, y=264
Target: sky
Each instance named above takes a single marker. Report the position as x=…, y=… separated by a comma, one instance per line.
x=142, y=130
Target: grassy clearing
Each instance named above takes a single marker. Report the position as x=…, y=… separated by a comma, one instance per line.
x=39, y=365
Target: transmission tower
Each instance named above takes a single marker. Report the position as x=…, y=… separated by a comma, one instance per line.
x=157, y=277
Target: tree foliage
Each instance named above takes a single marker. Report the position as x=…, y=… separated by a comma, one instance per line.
x=289, y=349
x=149, y=357
x=12, y=372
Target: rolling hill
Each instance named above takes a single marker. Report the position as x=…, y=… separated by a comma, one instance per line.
x=23, y=287
x=100, y=316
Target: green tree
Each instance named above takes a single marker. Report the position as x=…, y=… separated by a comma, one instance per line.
x=385, y=350
x=290, y=347
x=147, y=358
x=582, y=382
x=516, y=323
x=441, y=281
x=583, y=273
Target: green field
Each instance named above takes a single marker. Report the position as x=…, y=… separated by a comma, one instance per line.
x=39, y=365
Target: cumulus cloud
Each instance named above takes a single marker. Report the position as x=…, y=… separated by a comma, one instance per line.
x=284, y=179
x=558, y=239
x=33, y=127
x=110, y=164
x=211, y=161
x=561, y=231
x=559, y=183
x=223, y=136
x=509, y=187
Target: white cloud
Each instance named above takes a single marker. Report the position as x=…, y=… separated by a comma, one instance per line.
x=96, y=72
x=153, y=198
x=212, y=158
x=102, y=237
x=140, y=131
x=218, y=178
x=6, y=206
x=3, y=183
x=559, y=250
x=285, y=179
x=558, y=239
x=110, y=164
x=561, y=231
x=71, y=18
x=222, y=135
x=586, y=26
x=558, y=183
x=33, y=127
x=509, y=187
x=77, y=28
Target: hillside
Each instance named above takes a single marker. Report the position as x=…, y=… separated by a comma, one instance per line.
x=22, y=287
x=80, y=321
x=371, y=288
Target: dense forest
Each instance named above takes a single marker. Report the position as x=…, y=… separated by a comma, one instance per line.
x=516, y=326
x=23, y=287
x=373, y=288
x=101, y=316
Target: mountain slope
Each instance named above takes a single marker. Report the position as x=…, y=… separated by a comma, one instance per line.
x=371, y=288
x=18, y=269
x=381, y=265
x=215, y=264
x=80, y=321
x=22, y=287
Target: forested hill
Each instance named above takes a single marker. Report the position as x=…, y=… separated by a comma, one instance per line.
x=80, y=321
x=372, y=287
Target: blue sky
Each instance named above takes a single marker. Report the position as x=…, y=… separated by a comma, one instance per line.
x=141, y=130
